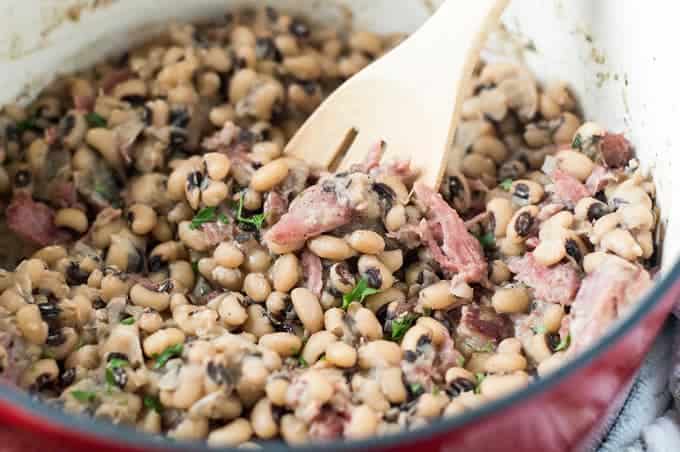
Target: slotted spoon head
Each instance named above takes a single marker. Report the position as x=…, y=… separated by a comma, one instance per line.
x=410, y=98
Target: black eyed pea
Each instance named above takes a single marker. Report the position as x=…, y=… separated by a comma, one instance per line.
x=366, y=323
x=113, y=286
x=476, y=165
x=334, y=321
x=594, y=260
x=310, y=387
x=510, y=248
x=150, y=322
x=182, y=274
x=150, y=422
x=157, y=342
x=621, y=242
x=193, y=319
x=257, y=287
x=257, y=260
x=133, y=87
x=392, y=385
x=416, y=334
x=42, y=372
x=308, y=309
x=285, y=273
x=505, y=363
x=304, y=98
x=222, y=114
x=525, y=191
x=208, y=84
x=214, y=193
x=536, y=136
x=496, y=386
x=537, y=348
x=439, y=331
x=176, y=300
x=148, y=298
x=375, y=272
x=521, y=224
x=471, y=401
x=454, y=408
x=377, y=301
x=86, y=357
x=636, y=216
x=317, y=345
x=269, y=176
x=550, y=252
x=276, y=302
x=509, y=345
x=276, y=390
x=293, y=430
x=646, y=242
x=477, y=362
x=31, y=325
x=169, y=251
x=393, y=259
x=575, y=163
x=12, y=301
x=551, y=364
x=70, y=342
x=630, y=193
x=395, y=218
x=177, y=180
x=380, y=354
x=142, y=219
x=454, y=373
x=50, y=254
x=363, y=423
x=366, y=242
x=552, y=317
x=105, y=141
x=228, y=255
x=493, y=104
x=241, y=83
x=71, y=218
x=364, y=41
x=266, y=151
x=217, y=165
x=431, y=406
x=258, y=323
x=341, y=278
x=348, y=66
x=194, y=239
x=262, y=420
x=590, y=209
x=95, y=279
x=502, y=211
x=189, y=390
x=190, y=428
x=556, y=226
x=303, y=67
x=499, y=272
x=341, y=355
x=329, y=247
x=231, y=309
x=253, y=375
x=285, y=344
x=162, y=232
x=569, y=124
x=437, y=296
x=492, y=147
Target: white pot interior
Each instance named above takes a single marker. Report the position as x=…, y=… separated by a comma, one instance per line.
x=617, y=55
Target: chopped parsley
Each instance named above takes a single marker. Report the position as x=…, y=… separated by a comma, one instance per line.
x=255, y=220
x=114, y=363
x=168, y=353
x=416, y=388
x=128, y=321
x=540, y=329
x=26, y=124
x=487, y=240
x=564, y=343
x=401, y=325
x=435, y=391
x=207, y=215
x=480, y=378
x=302, y=361
x=461, y=361
x=359, y=293
x=152, y=403
x=578, y=142
x=95, y=120
x=506, y=184
x=194, y=266
x=427, y=311
x=84, y=396
x=489, y=347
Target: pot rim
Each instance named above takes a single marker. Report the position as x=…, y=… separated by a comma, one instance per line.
x=48, y=419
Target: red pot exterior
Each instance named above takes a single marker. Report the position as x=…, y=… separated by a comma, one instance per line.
x=566, y=417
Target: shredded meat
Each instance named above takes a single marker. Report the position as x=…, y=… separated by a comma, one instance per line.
x=567, y=188
x=616, y=150
x=599, y=179
x=313, y=272
x=33, y=221
x=275, y=206
x=460, y=252
x=480, y=326
x=216, y=232
x=604, y=296
x=557, y=284
x=113, y=78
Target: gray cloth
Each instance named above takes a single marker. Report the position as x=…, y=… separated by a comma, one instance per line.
x=648, y=420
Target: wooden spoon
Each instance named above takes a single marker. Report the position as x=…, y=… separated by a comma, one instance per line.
x=410, y=98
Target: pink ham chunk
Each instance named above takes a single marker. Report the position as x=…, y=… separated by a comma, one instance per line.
x=33, y=221
x=616, y=150
x=603, y=297
x=598, y=179
x=313, y=272
x=460, y=252
x=557, y=284
x=567, y=188
x=312, y=213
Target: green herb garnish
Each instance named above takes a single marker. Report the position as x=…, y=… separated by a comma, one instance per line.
x=168, y=353
x=114, y=363
x=401, y=325
x=84, y=396
x=194, y=266
x=205, y=215
x=564, y=343
x=578, y=142
x=95, y=120
x=302, y=361
x=435, y=391
x=416, y=388
x=427, y=312
x=128, y=321
x=540, y=329
x=255, y=220
x=506, y=184
x=26, y=124
x=461, y=361
x=360, y=291
x=480, y=378
x=487, y=240
x=153, y=404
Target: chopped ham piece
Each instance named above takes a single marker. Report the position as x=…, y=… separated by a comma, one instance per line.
x=567, y=188
x=616, y=150
x=83, y=103
x=557, y=284
x=598, y=179
x=313, y=272
x=372, y=160
x=51, y=135
x=216, y=232
x=460, y=252
x=65, y=194
x=447, y=355
x=275, y=206
x=315, y=211
x=604, y=297
x=481, y=326
x=223, y=138
x=113, y=78
x=328, y=425
x=33, y=221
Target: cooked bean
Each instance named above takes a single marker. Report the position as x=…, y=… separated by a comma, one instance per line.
x=270, y=175
x=31, y=325
x=227, y=255
x=550, y=252
x=285, y=272
x=575, y=164
x=341, y=355
x=317, y=345
x=526, y=191
x=257, y=287
x=375, y=272
x=156, y=343
x=329, y=247
x=379, y=353
x=285, y=344
x=142, y=219
x=621, y=242
x=367, y=242
x=308, y=309
x=521, y=224
x=232, y=434
x=437, y=296
x=71, y=218
x=363, y=423
x=142, y=296
x=495, y=386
